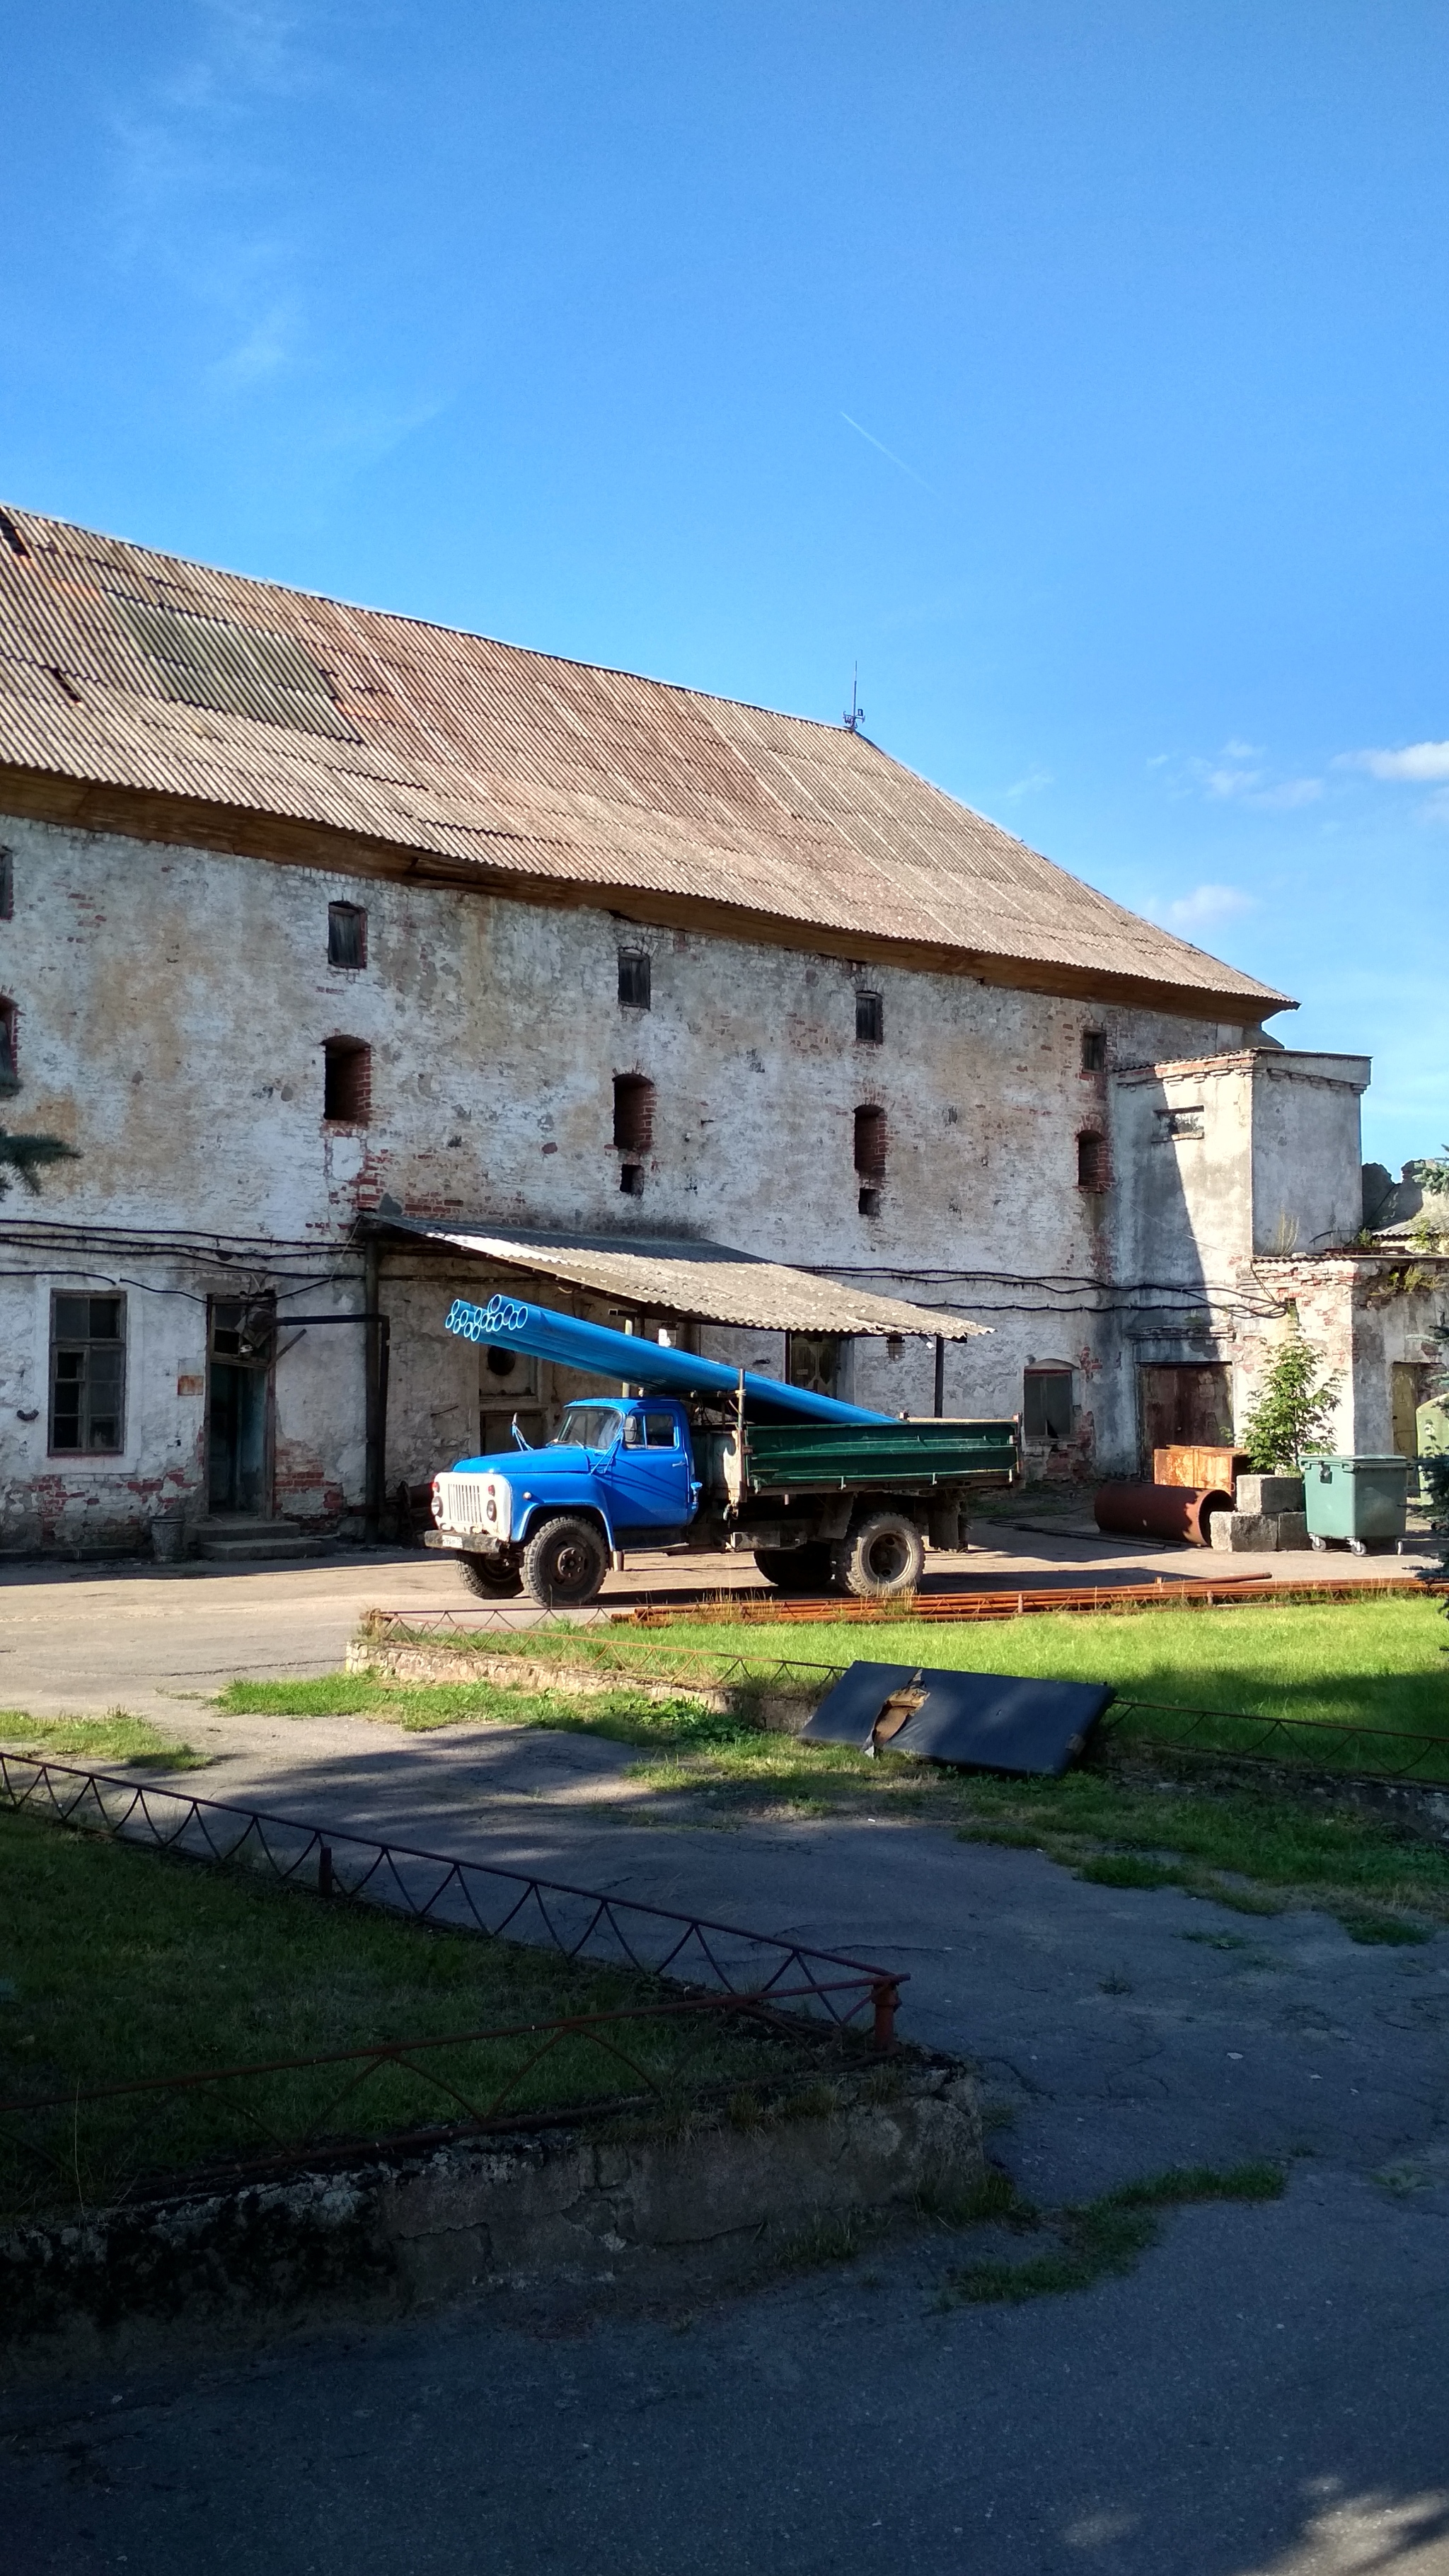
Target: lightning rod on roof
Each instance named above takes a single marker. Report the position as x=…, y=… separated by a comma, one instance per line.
x=854, y=715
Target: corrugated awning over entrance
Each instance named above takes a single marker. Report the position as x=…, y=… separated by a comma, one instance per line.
x=703, y=1280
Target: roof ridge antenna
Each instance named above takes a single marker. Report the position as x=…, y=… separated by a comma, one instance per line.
x=853, y=717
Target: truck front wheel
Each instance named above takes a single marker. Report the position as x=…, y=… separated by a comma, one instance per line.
x=882, y=1558
x=796, y=1569
x=493, y=1578
x=564, y=1564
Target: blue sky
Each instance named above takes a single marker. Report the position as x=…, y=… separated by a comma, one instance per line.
x=1081, y=370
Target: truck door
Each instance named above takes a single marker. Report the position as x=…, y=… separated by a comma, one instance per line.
x=647, y=1475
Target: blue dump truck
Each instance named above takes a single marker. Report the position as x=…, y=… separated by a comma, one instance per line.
x=696, y=1457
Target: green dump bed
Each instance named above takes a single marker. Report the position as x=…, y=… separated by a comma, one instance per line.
x=899, y=1457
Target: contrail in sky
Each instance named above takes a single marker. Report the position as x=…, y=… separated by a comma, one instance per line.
x=890, y=452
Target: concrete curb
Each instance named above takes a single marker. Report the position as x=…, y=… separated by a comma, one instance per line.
x=595, y=2215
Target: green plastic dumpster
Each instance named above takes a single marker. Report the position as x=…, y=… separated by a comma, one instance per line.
x=1360, y=1502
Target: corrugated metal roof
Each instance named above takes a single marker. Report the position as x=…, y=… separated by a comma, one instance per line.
x=706, y=1280
x=123, y=669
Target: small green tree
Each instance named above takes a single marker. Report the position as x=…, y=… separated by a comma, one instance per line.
x=1294, y=1407
x=23, y=1158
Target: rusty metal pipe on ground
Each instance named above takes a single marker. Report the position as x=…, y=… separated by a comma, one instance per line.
x=1159, y=1511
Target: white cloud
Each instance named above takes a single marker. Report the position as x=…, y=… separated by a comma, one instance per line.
x=1242, y=751
x=1227, y=781
x=1417, y=762
x=1207, y=905
x=1029, y=785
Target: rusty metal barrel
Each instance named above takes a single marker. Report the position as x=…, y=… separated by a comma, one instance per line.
x=1159, y=1511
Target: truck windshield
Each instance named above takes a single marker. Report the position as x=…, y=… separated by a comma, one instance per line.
x=589, y=1426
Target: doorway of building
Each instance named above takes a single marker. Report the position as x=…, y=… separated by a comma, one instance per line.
x=1188, y=1404
x=240, y=1344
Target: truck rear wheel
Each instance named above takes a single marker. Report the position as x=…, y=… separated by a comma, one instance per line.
x=564, y=1564
x=883, y=1557
x=493, y=1578
x=796, y=1569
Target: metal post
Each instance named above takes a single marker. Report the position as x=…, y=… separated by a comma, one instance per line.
x=885, y=1998
x=324, y=1870
x=940, y=1375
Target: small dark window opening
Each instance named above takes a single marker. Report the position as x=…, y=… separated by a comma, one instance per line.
x=346, y=935
x=7, y=884
x=1047, y=1404
x=346, y=1081
x=633, y=1113
x=631, y=1180
x=869, y=1019
x=635, y=970
x=9, y=1062
x=87, y=1375
x=870, y=1156
x=1094, y=1051
x=1091, y=1160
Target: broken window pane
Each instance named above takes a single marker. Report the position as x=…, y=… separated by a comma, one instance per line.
x=87, y=1375
x=1046, y=1410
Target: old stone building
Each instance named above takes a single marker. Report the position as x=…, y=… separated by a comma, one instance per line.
x=365, y=963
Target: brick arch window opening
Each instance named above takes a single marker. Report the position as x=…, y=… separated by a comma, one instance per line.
x=346, y=936
x=346, y=1082
x=1091, y=1159
x=633, y=1113
x=870, y=1155
x=9, y=1062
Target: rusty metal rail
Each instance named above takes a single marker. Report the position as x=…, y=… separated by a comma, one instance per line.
x=441, y=1888
x=939, y=1608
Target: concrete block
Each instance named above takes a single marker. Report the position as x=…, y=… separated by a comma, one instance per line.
x=1293, y=1530
x=1269, y=1494
x=1243, y=1533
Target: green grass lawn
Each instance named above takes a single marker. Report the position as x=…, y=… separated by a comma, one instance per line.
x=98, y=1743
x=118, y=1963
x=1255, y=1849
x=1376, y=1664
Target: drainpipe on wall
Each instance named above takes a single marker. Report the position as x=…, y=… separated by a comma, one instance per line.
x=940, y=1375
x=377, y=1357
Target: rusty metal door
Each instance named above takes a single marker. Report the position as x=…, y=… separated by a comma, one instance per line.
x=1187, y=1404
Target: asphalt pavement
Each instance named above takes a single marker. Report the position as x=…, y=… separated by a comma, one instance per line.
x=1263, y=2396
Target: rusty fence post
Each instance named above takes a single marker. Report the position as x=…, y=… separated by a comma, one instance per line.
x=885, y=1996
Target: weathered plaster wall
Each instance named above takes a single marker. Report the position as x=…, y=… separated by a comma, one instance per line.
x=1307, y=1151
x=172, y=1007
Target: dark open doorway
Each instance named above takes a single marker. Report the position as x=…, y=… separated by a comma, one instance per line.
x=1187, y=1404
x=239, y=1407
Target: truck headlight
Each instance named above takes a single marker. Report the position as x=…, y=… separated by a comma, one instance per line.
x=437, y=1502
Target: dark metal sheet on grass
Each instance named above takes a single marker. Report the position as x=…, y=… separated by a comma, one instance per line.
x=994, y=1722
x=850, y=1711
